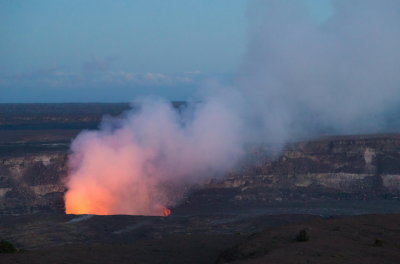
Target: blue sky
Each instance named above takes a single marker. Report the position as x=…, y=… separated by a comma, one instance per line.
x=114, y=50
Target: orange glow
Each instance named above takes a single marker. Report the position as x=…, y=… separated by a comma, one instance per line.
x=104, y=201
x=109, y=176
x=144, y=161
x=167, y=212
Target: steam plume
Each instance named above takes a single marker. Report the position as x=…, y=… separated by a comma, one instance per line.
x=298, y=78
x=303, y=78
x=143, y=162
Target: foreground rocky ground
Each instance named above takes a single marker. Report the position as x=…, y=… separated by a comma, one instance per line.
x=360, y=239
x=52, y=238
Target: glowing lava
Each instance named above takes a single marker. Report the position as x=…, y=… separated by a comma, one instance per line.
x=167, y=212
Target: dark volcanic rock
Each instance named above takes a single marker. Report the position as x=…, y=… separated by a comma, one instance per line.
x=353, y=167
x=32, y=182
x=360, y=167
x=360, y=239
x=35, y=138
x=235, y=238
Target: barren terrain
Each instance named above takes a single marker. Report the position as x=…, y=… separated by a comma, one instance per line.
x=343, y=190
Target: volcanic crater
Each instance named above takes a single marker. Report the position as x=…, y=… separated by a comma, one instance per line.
x=338, y=188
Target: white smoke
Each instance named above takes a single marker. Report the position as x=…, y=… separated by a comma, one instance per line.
x=301, y=77
x=298, y=78
x=144, y=162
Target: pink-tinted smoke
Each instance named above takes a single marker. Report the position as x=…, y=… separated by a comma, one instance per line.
x=142, y=163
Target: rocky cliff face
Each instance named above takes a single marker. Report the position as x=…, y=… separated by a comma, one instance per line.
x=31, y=182
x=360, y=167
x=356, y=167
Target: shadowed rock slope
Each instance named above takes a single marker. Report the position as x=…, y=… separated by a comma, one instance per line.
x=352, y=167
x=35, y=138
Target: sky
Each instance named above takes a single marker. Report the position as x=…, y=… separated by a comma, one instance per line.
x=113, y=51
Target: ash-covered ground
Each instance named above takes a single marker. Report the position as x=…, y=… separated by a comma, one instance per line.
x=344, y=191
x=248, y=238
